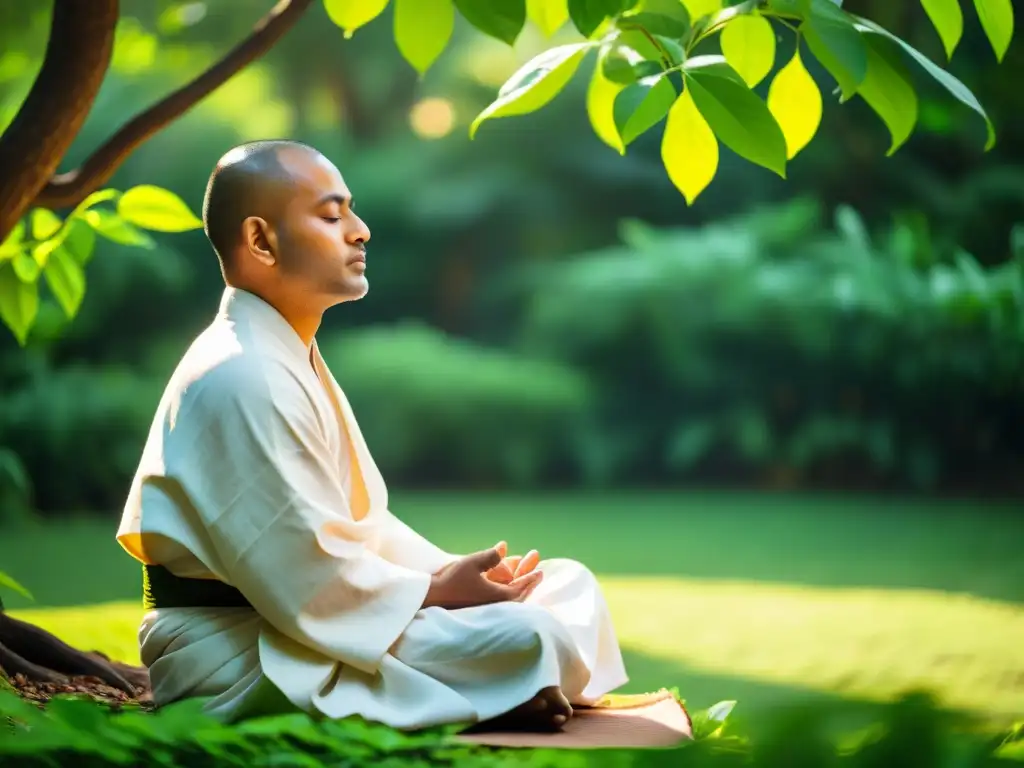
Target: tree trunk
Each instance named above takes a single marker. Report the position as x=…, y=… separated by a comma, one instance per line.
x=77, y=57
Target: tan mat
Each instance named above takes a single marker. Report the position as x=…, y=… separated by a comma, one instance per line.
x=651, y=720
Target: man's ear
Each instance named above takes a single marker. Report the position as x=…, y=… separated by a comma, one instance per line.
x=259, y=241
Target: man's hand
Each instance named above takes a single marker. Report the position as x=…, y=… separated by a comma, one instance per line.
x=512, y=567
x=463, y=584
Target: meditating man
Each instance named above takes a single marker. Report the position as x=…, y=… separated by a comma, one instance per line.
x=276, y=576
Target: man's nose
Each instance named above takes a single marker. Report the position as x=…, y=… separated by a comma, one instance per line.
x=360, y=233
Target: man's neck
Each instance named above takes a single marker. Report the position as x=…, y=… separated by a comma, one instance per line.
x=304, y=319
x=305, y=323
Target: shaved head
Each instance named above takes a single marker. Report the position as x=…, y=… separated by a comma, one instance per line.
x=249, y=180
x=282, y=221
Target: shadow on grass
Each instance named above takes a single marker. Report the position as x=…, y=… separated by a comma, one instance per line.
x=758, y=701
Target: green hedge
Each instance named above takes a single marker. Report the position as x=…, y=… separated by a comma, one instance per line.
x=439, y=410
x=909, y=733
x=771, y=346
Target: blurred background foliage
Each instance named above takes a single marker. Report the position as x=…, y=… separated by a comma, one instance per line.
x=544, y=312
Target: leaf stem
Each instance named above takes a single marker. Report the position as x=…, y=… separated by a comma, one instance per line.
x=666, y=60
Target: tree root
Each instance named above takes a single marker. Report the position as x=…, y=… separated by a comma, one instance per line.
x=40, y=656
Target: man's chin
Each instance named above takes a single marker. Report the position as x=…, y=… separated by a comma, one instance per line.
x=354, y=289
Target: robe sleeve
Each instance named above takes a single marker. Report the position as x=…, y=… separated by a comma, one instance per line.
x=254, y=459
x=402, y=545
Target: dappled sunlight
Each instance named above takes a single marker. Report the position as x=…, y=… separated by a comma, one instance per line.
x=252, y=92
x=863, y=644
x=866, y=643
x=432, y=118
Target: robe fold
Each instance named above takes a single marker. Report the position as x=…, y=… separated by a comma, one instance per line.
x=255, y=473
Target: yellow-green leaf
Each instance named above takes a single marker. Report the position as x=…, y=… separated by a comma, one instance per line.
x=948, y=20
x=535, y=83
x=13, y=243
x=19, y=303
x=80, y=241
x=25, y=267
x=795, y=101
x=44, y=223
x=748, y=44
x=66, y=280
x=689, y=149
x=423, y=29
x=548, y=15
x=698, y=8
x=113, y=227
x=888, y=91
x=944, y=77
x=156, y=208
x=350, y=15
x=997, y=20
x=601, y=95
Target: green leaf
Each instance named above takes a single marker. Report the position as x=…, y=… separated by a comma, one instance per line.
x=664, y=16
x=588, y=15
x=6, y=582
x=795, y=102
x=841, y=50
x=12, y=244
x=948, y=81
x=888, y=91
x=113, y=227
x=423, y=29
x=79, y=241
x=26, y=268
x=660, y=24
x=535, y=83
x=152, y=207
x=350, y=15
x=996, y=18
x=699, y=8
x=642, y=105
x=601, y=95
x=689, y=150
x=739, y=119
x=500, y=19
x=66, y=279
x=617, y=64
x=548, y=15
x=19, y=303
x=44, y=223
x=748, y=44
x=948, y=20
x=97, y=197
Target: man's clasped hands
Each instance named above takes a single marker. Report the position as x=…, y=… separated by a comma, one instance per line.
x=490, y=576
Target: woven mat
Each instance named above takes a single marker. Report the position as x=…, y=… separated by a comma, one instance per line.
x=650, y=720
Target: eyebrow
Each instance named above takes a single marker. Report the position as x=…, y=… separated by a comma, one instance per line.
x=334, y=197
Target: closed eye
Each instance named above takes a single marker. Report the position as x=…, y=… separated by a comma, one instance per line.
x=332, y=219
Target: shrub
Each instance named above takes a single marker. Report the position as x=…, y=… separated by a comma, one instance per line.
x=766, y=345
x=436, y=409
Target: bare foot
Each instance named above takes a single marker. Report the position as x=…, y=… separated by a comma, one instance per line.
x=549, y=710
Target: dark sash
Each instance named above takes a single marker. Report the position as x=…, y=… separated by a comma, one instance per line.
x=162, y=589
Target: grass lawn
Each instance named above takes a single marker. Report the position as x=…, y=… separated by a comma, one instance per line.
x=764, y=599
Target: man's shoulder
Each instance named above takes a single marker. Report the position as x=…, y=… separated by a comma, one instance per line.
x=220, y=369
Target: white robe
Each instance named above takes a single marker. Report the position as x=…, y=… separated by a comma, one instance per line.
x=247, y=476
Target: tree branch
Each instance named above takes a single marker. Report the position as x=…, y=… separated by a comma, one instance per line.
x=76, y=60
x=69, y=189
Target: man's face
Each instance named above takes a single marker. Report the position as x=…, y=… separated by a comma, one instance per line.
x=322, y=242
